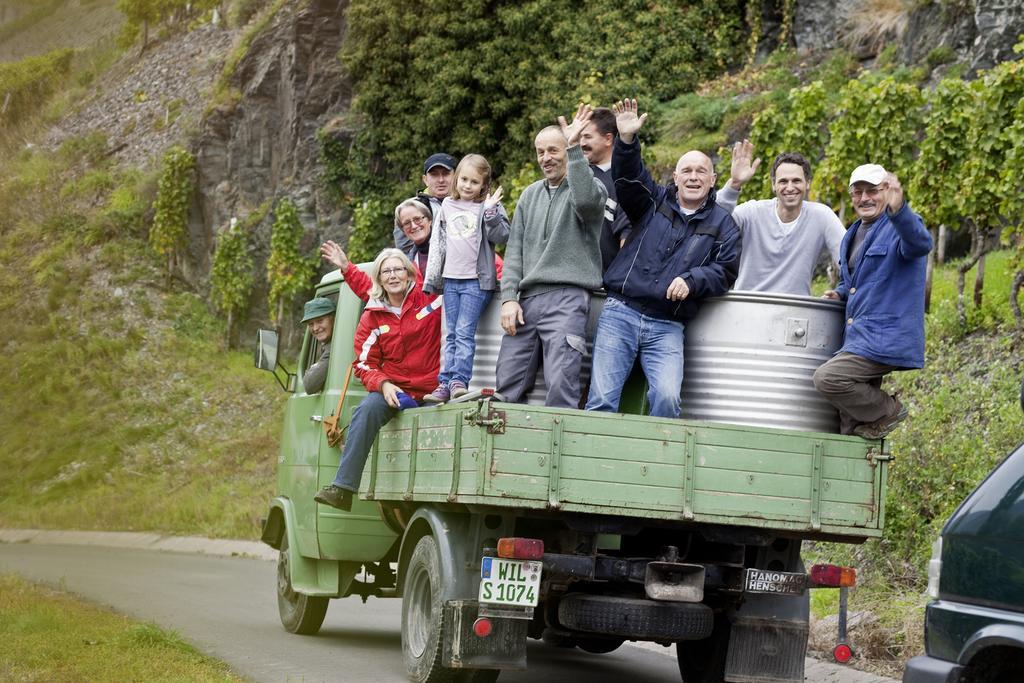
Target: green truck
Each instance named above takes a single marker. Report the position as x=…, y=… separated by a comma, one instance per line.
x=497, y=522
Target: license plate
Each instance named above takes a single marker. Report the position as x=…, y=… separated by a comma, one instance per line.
x=509, y=582
x=784, y=583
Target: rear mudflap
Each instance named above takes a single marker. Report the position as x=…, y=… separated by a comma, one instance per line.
x=504, y=648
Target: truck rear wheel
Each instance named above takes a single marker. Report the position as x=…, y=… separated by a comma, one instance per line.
x=423, y=618
x=636, y=618
x=302, y=614
x=703, y=661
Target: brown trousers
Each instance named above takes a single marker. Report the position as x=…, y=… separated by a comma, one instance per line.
x=852, y=384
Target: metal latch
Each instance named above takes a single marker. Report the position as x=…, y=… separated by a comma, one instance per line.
x=316, y=418
x=874, y=457
x=494, y=420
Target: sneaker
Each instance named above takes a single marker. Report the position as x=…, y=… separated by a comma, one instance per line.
x=882, y=426
x=458, y=389
x=335, y=496
x=438, y=395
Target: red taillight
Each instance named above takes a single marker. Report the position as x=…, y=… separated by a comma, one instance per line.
x=521, y=548
x=482, y=627
x=833, y=576
x=842, y=653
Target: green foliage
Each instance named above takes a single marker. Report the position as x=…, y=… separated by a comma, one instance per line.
x=937, y=56
x=241, y=49
x=993, y=137
x=174, y=192
x=232, y=276
x=873, y=122
x=288, y=271
x=485, y=77
x=241, y=11
x=25, y=85
x=43, y=9
x=943, y=153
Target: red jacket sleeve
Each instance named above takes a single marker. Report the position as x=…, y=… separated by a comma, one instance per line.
x=369, y=358
x=359, y=282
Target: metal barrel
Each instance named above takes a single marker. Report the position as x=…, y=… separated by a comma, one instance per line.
x=749, y=358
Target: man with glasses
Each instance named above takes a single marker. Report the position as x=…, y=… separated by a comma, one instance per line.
x=882, y=263
x=683, y=249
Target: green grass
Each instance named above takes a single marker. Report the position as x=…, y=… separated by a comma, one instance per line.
x=51, y=636
x=127, y=414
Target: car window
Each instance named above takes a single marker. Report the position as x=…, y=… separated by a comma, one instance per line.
x=996, y=508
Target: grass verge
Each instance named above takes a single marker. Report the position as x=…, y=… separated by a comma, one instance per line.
x=50, y=636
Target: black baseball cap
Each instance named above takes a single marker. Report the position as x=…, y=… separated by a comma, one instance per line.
x=439, y=159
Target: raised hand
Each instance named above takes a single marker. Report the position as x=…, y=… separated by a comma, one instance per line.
x=493, y=199
x=894, y=195
x=742, y=167
x=628, y=118
x=572, y=131
x=334, y=255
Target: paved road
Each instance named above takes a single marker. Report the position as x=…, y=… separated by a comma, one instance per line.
x=227, y=607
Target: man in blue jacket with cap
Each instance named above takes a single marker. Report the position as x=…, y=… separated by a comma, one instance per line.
x=882, y=264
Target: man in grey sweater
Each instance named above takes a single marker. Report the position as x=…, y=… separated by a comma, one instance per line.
x=552, y=261
x=782, y=237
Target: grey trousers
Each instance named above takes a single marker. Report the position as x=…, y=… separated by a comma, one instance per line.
x=852, y=384
x=555, y=329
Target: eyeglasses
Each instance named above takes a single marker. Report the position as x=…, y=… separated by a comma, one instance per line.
x=391, y=271
x=869, y=192
x=419, y=220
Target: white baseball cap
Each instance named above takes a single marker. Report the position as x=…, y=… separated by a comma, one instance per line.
x=868, y=173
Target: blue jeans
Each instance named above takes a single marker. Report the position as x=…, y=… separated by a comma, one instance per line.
x=367, y=419
x=624, y=333
x=464, y=302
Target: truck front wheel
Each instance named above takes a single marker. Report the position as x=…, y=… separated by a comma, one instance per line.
x=302, y=614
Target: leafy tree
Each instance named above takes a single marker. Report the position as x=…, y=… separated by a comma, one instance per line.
x=873, y=123
x=232, y=276
x=288, y=271
x=485, y=76
x=991, y=197
x=174, y=192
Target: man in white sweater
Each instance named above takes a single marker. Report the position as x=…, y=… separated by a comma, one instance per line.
x=782, y=237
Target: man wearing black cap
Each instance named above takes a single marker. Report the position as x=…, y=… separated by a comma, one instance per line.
x=318, y=315
x=437, y=179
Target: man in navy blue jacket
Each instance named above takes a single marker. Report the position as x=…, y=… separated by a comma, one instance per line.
x=882, y=263
x=683, y=249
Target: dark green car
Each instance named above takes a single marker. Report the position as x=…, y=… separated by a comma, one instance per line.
x=974, y=629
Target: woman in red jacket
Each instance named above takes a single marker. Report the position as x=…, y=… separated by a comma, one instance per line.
x=398, y=350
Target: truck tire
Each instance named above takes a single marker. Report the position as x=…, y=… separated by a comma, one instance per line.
x=302, y=614
x=423, y=618
x=599, y=646
x=636, y=618
x=703, y=661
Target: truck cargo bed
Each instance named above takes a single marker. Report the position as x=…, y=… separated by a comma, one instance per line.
x=490, y=453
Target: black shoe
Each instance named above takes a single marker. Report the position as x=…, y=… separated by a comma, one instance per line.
x=881, y=427
x=335, y=496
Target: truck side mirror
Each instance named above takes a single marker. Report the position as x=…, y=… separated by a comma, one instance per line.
x=266, y=359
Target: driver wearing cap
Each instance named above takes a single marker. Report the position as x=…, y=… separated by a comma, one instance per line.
x=882, y=263
x=318, y=316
